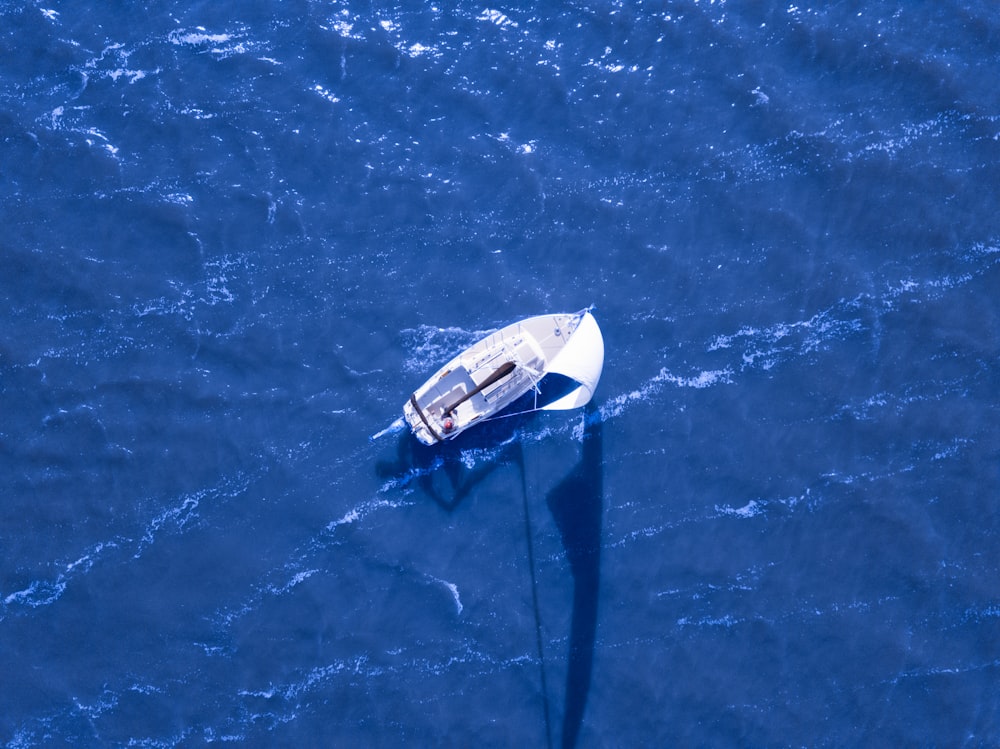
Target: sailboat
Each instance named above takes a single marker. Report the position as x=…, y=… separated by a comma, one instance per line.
x=486, y=378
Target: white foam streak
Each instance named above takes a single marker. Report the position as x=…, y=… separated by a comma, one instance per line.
x=361, y=511
x=964, y=668
x=452, y=588
x=180, y=517
x=764, y=347
x=363, y=666
x=496, y=17
x=220, y=45
x=45, y=592
x=298, y=564
x=198, y=38
x=296, y=579
x=750, y=509
x=703, y=379
x=722, y=621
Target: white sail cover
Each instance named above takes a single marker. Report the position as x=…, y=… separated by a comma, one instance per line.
x=582, y=360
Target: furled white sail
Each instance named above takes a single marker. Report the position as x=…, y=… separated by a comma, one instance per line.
x=582, y=360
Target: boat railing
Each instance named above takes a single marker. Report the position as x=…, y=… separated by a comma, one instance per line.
x=502, y=351
x=499, y=391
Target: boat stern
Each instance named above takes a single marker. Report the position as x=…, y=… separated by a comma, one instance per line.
x=420, y=423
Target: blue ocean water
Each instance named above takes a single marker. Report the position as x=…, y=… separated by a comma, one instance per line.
x=237, y=235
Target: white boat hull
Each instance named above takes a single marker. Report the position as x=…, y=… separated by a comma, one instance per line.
x=493, y=373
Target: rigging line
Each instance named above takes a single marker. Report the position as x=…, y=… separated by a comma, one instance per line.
x=516, y=413
x=534, y=599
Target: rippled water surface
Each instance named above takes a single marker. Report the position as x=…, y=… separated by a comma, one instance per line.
x=238, y=236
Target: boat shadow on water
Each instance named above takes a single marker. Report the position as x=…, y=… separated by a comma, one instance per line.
x=444, y=472
x=576, y=503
